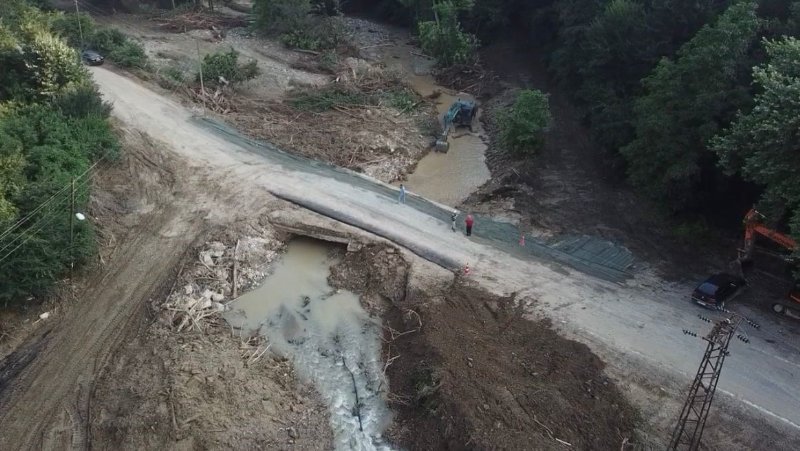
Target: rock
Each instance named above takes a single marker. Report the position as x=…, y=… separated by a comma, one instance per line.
x=44, y=315
x=293, y=433
x=207, y=294
x=188, y=289
x=216, y=297
x=205, y=257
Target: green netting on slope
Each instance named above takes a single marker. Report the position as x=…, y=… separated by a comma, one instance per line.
x=587, y=254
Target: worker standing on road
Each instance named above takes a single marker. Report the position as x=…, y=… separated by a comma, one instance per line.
x=469, y=221
x=453, y=219
x=402, y=197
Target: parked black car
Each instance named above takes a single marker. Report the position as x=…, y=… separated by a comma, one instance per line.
x=715, y=291
x=92, y=58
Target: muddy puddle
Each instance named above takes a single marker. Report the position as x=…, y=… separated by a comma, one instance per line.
x=330, y=339
x=448, y=177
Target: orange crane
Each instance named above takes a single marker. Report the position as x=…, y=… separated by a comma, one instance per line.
x=754, y=226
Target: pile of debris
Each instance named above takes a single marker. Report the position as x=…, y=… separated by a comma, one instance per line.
x=472, y=78
x=200, y=20
x=355, y=127
x=219, y=273
x=214, y=99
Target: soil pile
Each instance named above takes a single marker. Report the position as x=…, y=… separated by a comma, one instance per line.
x=466, y=370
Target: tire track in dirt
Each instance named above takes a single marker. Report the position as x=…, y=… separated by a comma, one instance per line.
x=81, y=340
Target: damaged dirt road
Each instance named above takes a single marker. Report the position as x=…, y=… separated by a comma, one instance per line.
x=635, y=331
x=627, y=326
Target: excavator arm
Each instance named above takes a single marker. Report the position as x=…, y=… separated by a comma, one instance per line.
x=753, y=226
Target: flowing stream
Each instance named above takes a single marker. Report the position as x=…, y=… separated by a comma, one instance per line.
x=328, y=336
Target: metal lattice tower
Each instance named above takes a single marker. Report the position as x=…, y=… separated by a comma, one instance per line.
x=689, y=429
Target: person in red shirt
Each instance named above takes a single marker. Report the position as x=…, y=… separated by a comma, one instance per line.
x=469, y=221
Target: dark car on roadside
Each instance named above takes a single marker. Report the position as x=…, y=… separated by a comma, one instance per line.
x=92, y=58
x=718, y=289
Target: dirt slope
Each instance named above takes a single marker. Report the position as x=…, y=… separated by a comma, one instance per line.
x=147, y=224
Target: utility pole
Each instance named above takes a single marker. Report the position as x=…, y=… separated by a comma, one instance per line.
x=692, y=421
x=78, y=18
x=72, y=231
x=200, y=65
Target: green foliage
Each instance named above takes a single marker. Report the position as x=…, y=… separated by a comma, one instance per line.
x=522, y=126
x=117, y=47
x=50, y=63
x=70, y=26
x=329, y=61
x=686, y=101
x=319, y=33
x=280, y=16
x=443, y=37
x=80, y=100
x=53, y=125
x=325, y=99
x=217, y=66
x=762, y=143
x=404, y=100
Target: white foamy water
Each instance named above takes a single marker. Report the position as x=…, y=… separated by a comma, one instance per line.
x=328, y=336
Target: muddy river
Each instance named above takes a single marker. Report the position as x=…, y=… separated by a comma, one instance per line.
x=332, y=342
x=448, y=177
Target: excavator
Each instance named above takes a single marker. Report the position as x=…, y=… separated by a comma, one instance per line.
x=754, y=227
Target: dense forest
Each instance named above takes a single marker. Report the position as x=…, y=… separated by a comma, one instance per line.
x=693, y=103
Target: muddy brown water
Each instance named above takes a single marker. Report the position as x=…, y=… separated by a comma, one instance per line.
x=330, y=339
x=446, y=177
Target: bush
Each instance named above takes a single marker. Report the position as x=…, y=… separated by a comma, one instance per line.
x=129, y=54
x=80, y=100
x=404, y=100
x=523, y=125
x=280, y=16
x=443, y=38
x=66, y=26
x=218, y=66
x=320, y=33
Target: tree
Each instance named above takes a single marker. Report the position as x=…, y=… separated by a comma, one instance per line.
x=762, y=144
x=686, y=100
x=443, y=37
x=523, y=125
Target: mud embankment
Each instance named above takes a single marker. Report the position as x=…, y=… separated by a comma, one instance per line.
x=466, y=370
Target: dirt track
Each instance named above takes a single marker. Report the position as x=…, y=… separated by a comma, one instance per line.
x=631, y=325
x=46, y=405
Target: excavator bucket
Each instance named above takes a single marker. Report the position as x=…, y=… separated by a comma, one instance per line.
x=442, y=145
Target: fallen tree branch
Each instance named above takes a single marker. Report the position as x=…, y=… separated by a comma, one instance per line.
x=355, y=390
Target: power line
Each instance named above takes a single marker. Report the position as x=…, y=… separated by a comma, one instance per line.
x=49, y=214
x=43, y=204
x=31, y=235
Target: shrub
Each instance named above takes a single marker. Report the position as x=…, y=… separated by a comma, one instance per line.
x=129, y=54
x=444, y=39
x=321, y=33
x=218, y=66
x=402, y=99
x=80, y=100
x=280, y=16
x=67, y=26
x=523, y=125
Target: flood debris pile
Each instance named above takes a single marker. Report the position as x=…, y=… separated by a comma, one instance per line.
x=367, y=119
x=219, y=389
x=219, y=273
x=466, y=369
